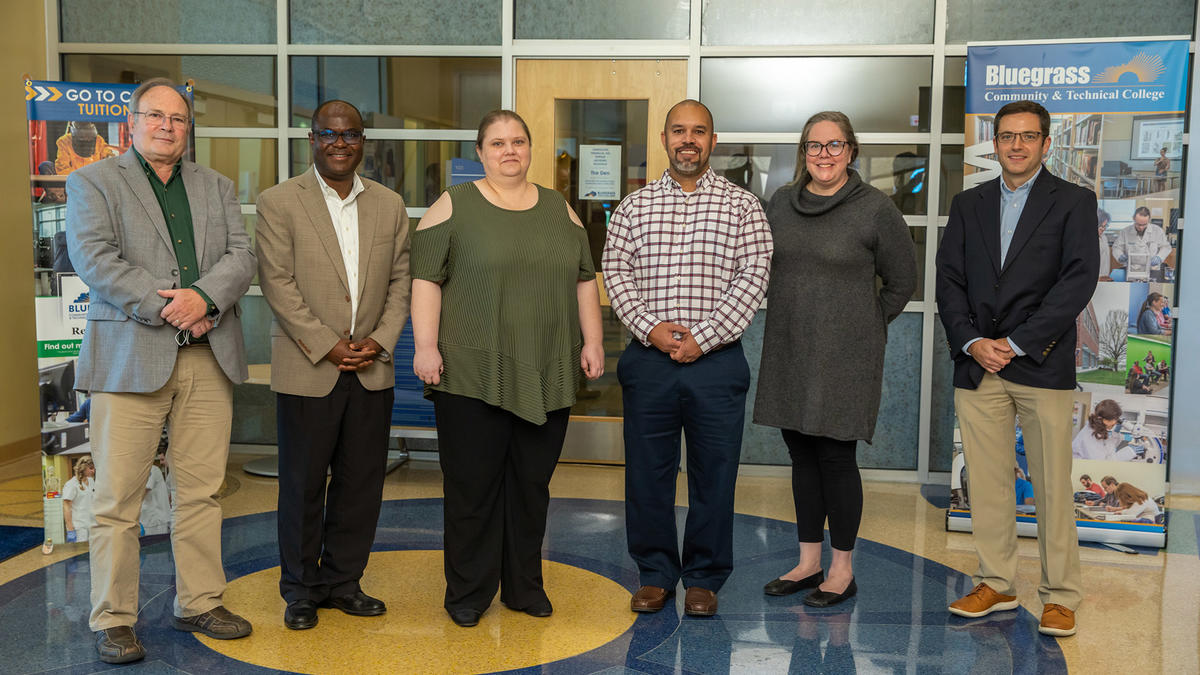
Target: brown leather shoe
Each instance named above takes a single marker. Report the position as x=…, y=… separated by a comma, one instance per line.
x=217, y=623
x=981, y=601
x=650, y=599
x=699, y=602
x=1057, y=621
x=119, y=645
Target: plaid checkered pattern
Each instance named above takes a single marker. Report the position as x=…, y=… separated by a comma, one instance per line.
x=701, y=259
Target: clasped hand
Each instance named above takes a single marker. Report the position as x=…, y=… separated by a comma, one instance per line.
x=993, y=355
x=682, y=349
x=350, y=356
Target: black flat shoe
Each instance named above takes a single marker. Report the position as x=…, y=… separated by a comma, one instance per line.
x=465, y=617
x=787, y=586
x=356, y=604
x=819, y=598
x=541, y=608
x=300, y=615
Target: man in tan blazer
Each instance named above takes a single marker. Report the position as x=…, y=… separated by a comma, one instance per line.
x=333, y=265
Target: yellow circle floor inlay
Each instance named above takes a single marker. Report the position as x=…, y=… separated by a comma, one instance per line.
x=416, y=635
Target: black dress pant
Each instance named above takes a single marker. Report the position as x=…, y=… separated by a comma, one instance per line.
x=825, y=484
x=326, y=534
x=496, y=470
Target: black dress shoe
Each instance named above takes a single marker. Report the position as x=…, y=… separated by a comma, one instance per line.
x=787, y=586
x=356, y=604
x=819, y=598
x=300, y=615
x=119, y=645
x=465, y=617
x=540, y=608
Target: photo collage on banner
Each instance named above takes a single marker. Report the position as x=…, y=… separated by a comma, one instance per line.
x=71, y=125
x=1117, y=120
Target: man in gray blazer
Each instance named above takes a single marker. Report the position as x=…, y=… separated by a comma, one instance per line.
x=160, y=243
x=333, y=264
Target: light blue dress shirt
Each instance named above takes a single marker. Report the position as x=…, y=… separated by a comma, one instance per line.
x=1012, y=203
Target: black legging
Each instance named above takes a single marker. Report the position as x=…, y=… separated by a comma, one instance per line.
x=825, y=482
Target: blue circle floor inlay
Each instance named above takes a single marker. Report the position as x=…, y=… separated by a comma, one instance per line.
x=897, y=623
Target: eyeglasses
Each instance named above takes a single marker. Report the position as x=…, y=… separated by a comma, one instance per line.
x=1009, y=137
x=329, y=136
x=156, y=118
x=835, y=148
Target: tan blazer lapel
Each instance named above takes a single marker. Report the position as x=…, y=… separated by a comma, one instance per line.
x=313, y=202
x=139, y=184
x=198, y=205
x=368, y=222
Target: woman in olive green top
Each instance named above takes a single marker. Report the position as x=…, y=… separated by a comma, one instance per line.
x=506, y=319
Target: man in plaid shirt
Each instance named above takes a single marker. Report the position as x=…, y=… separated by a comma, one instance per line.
x=685, y=265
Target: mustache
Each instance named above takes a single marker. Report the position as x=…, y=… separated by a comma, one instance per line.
x=694, y=148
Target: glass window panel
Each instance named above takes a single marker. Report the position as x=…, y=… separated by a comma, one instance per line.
x=897, y=170
x=418, y=170
x=918, y=237
x=896, y=431
x=941, y=427
x=408, y=92
x=395, y=22
x=954, y=94
x=951, y=178
x=168, y=21
x=975, y=20
x=810, y=22
x=249, y=162
x=231, y=91
x=750, y=94
x=612, y=20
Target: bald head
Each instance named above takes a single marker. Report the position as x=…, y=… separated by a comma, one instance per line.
x=688, y=103
x=335, y=108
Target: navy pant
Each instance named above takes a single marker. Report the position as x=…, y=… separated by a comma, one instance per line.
x=706, y=400
x=326, y=533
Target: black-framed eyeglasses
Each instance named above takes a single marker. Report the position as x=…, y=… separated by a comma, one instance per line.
x=835, y=148
x=1010, y=137
x=156, y=118
x=329, y=136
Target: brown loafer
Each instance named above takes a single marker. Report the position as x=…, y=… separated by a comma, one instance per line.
x=217, y=623
x=119, y=645
x=650, y=599
x=699, y=602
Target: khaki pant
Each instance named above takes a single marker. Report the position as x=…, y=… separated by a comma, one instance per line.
x=985, y=417
x=196, y=403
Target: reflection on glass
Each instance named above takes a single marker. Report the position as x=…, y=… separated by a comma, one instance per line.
x=918, y=237
x=231, y=91
x=602, y=397
x=168, y=21
x=779, y=94
x=770, y=22
x=398, y=92
x=418, y=170
x=974, y=20
x=395, y=22
x=941, y=427
x=249, y=162
x=951, y=178
x=600, y=156
x=954, y=101
x=897, y=170
x=591, y=185
x=612, y=20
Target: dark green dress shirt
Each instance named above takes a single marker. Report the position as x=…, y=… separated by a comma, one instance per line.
x=173, y=200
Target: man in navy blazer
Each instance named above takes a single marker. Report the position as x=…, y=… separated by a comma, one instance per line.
x=1017, y=265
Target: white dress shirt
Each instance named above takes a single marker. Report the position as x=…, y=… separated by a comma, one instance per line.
x=344, y=214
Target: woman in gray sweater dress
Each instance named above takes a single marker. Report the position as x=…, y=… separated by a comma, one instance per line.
x=824, y=341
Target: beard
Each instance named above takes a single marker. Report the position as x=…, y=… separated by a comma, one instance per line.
x=687, y=167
